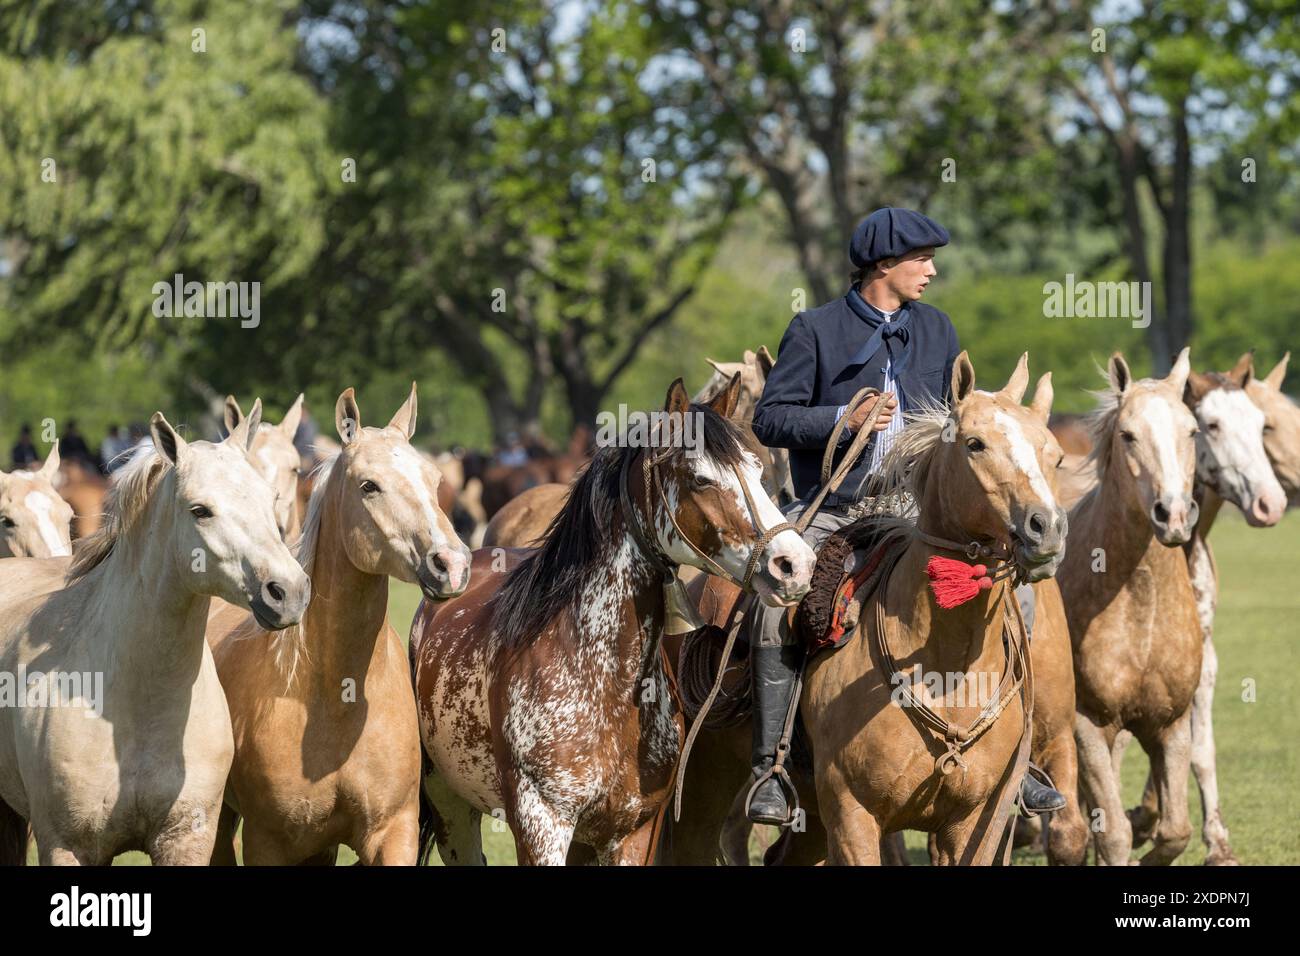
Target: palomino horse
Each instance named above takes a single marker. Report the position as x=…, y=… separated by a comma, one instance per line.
x=274, y=455
x=981, y=473
x=136, y=756
x=1231, y=465
x=523, y=520
x=326, y=745
x=542, y=692
x=1132, y=612
x=1281, y=427
x=34, y=518
x=753, y=370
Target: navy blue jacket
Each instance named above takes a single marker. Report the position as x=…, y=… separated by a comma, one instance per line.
x=815, y=374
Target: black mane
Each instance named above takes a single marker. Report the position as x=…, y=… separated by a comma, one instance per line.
x=552, y=579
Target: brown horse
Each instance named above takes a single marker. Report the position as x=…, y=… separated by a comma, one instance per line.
x=522, y=521
x=1232, y=465
x=326, y=745
x=85, y=491
x=1132, y=612
x=720, y=761
x=541, y=693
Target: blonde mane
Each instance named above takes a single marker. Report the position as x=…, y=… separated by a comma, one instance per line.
x=127, y=501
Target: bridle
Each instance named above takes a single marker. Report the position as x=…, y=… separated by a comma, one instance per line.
x=650, y=468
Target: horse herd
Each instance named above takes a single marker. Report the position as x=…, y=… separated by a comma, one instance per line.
x=212, y=653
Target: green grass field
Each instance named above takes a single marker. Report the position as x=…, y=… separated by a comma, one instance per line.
x=1257, y=634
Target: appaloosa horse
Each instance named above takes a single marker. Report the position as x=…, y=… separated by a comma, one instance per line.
x=541, y=691
x=1132, y=613
x=326, y=745
x=134, y=755
x=1231, y=465
x=35, y=521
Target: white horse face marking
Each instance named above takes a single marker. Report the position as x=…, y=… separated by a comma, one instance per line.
x=35, y=521
x=714, y=504
x=393, y=525
x=1154, y=435
x=1231, y=459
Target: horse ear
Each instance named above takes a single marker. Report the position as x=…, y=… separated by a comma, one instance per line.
x=716, y=366
x=292, y=418
x=1043, y=395
x=1019, y=380
x=51, y=466
x=233, y=414
x=1120, y=376
x=765, y=360
x=347, y=417
x=404, y=418
x=677, y=400
x=1274, y=378
x=1177, y=376
x=165, y=440
x=1244, y=370
x=1197, y=385
x=724, y=403
x=963, y=378
x=242, y=435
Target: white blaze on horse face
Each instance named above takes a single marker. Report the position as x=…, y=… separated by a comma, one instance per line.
x=1025, y=458
x=1231, y=457
x=1164, y=427
x=41, y=507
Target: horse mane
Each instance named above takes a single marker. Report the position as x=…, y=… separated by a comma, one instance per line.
x=553, y=578
x=289, y=645
x=128, y=497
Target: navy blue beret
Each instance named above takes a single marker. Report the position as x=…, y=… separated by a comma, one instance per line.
x=891, y=232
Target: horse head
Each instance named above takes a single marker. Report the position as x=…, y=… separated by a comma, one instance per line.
x=275, y=456
x=387, y=502
x=1281, y=425
x=1230, y=455
x=35, y=521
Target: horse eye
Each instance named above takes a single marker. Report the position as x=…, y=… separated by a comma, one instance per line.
x=1212, y=427
x=201, y=512
x=1128, y=437
x=1060, y=461
x=974, y=444
x=1267, y=428
x=702, y=481
x=369, y=487
x=7, y=521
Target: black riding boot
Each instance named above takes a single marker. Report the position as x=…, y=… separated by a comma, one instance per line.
x=775, y=668
x=1037, y=797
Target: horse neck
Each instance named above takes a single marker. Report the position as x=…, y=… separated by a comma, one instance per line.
x=967, y=638
x=621, y=615
x=348, y=613
x=1210, y=503
x=148, y=621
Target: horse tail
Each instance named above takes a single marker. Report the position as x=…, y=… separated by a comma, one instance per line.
x=777, y=852
x=13, y=837
x=428, y=815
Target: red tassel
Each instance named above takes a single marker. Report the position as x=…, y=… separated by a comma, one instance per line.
x=956, y=582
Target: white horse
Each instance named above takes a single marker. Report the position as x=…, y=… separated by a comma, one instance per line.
x=123, y=738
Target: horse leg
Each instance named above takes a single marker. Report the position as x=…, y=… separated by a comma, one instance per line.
x=180, y=843
x=634, y=849
x=1100, y=785
x=456, y=826
x=13, y=837
x=1066, y=835
x=542, y=834
x=852, y=833
x=1204, y=765
x=62, y=856
x=1171, y=755
x=893, y=850
x=223, y=851
x=397, y=842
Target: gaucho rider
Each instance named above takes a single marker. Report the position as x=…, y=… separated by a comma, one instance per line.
x=878, y=334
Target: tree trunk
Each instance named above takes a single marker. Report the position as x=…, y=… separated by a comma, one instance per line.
x=1177, y=245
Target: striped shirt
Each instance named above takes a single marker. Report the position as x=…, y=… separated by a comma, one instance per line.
x=885, y=438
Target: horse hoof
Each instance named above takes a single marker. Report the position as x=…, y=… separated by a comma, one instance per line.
x=1222, y=856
